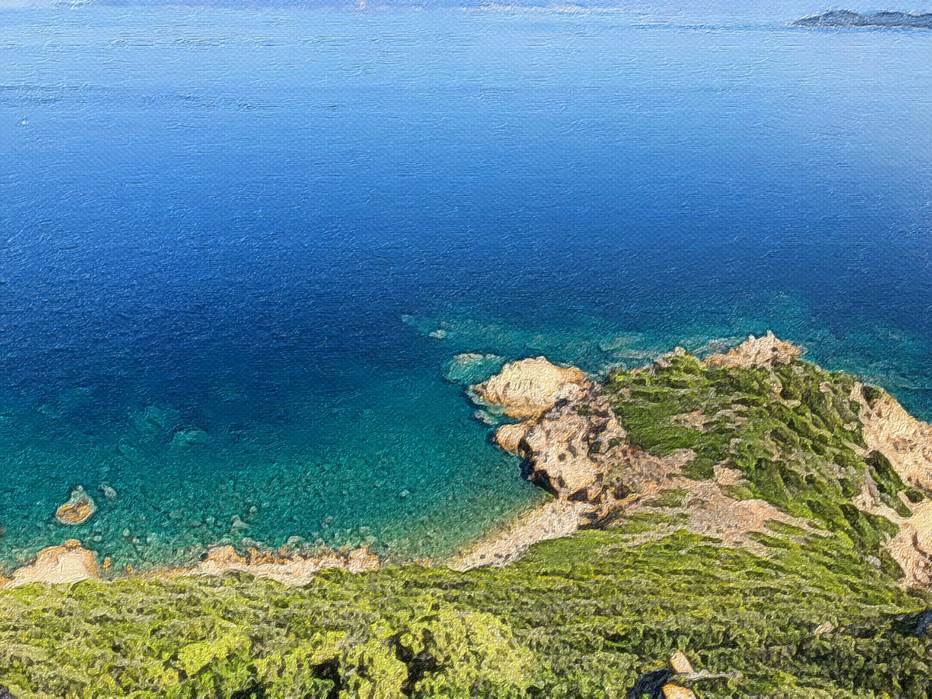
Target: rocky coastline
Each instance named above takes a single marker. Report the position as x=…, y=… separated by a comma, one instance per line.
x=571, y=442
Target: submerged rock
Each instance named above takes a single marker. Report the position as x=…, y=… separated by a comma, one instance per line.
x=154, y=420
x=79, y=508
x=184, y=439
x=69, y=563
x=528, y=388
x=472, y=367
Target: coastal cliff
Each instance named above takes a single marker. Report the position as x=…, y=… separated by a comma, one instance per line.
x=743, y=524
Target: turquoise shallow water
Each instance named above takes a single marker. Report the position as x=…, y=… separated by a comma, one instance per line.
x=227, y=236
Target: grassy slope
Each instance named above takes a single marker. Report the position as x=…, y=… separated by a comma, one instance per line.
x=577, y=617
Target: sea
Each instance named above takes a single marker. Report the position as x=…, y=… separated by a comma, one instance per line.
x=241, y=246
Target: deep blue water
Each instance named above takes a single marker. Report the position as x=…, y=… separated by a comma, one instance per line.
x=248, y=224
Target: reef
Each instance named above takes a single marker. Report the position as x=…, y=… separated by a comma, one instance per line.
x=885, y=19
x=746, y=524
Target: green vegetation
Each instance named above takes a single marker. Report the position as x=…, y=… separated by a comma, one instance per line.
x=577, y=617
x=791, y=430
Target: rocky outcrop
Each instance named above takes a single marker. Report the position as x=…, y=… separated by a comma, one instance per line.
x=889, y=429
x=79, y=508
x=907, y=444
x=528, y=388
x=573, y=447
x=296, y=569
x=911, y=547
x=576, y=448
x=763, y=351
x=69, y=563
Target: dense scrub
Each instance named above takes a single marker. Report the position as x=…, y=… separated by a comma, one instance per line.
x=792, y=430
x=578, y=617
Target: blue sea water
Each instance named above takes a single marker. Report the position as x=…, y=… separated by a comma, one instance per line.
x=227, y=237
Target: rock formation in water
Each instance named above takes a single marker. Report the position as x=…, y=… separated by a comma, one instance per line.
x=847, y=18
x=79, y=508
x=528, y=388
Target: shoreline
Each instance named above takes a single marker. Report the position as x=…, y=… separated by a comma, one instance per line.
x=570, y=443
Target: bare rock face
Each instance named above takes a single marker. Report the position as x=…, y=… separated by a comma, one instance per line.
x=528, y=388
x=889, y=429
x=297, y=569
x=763, y=351
x=78, y=509
x=911, y=548
x=907, y=444
x=69, y=563
x=509, y=437
x=570, y=449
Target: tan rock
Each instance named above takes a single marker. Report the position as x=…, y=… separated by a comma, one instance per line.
x=509, y=437
x=889, y=429
x=69, y=563
x=911, y=547
x=680, y=663
x=78, y=509
x=763, y=351
x=296, y=569
x=528, y=388
x=572, y=448
x=673, y=691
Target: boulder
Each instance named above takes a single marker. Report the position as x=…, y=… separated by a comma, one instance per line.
x=79, y=508
x=680, y=663
x=69, y=563
x=509, y=437
x=528, y=388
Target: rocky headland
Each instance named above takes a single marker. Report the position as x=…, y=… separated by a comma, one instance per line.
x=572, y=441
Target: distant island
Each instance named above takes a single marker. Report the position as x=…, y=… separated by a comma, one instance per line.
x=847, y=18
